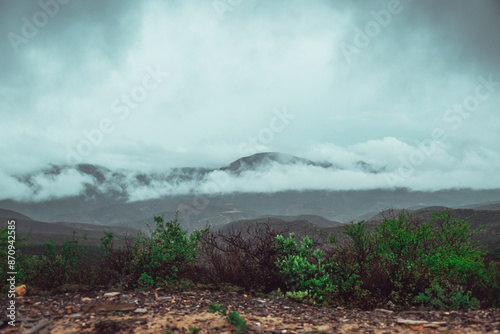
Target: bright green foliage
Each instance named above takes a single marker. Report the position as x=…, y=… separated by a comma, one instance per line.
x=435, y=297
x=145, y=280
x=240, y=325
x=403, y=260
x=304, y=267
x=163, y=256
x=194, y=330
x=301, y=296
x=216, y=308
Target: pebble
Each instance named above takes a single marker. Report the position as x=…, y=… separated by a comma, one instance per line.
x=411, y=322
x=111, y=294
x=383, y=310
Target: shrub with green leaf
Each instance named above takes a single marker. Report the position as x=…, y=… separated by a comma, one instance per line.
x=404, y=260
x=162, y=257
x=304, y=267
x=60, y=265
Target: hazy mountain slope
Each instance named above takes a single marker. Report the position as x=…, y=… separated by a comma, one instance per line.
x=313, y=219
x=40, y=232
x=301, y=228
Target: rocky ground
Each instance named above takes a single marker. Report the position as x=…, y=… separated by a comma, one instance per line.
x=159, y=311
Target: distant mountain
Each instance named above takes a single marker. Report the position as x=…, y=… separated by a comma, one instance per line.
x=260, y=161
x=482, y=206
x=300, y=228
x=41, y=232
x=129, y=198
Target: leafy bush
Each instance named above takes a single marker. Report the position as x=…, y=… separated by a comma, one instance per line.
x=405, y=261
x=402, y=261
x=435, y=297
x=304, y=267
x=59, y=266
x=165, y=255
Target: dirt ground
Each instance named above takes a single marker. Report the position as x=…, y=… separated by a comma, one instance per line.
x=160, y=311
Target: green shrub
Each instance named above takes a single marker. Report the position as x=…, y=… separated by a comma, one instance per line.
x=240, y=325
x=163, y=256
x=60, y=266
x=145, y=280
x=304, y=267
x=403, y=260
x=435, y=297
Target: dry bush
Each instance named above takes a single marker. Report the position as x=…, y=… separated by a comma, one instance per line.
x=244, y=257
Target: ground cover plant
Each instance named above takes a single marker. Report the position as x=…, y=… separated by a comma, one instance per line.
x=400, y=263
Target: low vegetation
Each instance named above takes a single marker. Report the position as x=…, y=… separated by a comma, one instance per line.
x=400, y=263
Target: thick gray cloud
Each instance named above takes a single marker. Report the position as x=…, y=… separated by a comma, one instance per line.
x=215, y=81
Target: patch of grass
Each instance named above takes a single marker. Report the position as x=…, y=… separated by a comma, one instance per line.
x=240, y=325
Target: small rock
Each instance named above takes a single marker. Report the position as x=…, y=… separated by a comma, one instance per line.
x=435, y=324
x=20, y=290
x=141, y=310
x=111, y=294
x=125, y=297
x=411, y=322
x=383, y=310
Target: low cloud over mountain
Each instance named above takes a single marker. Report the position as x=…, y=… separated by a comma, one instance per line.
x=258, y=173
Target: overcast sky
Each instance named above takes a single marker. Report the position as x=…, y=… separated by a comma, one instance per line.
x=411, y=86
